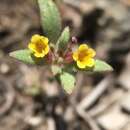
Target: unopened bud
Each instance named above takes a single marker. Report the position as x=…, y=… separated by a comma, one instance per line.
x=68, y=57
x=74, y=40
x=50, y=57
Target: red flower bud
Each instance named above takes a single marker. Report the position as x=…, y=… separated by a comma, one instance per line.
x=50, y=57
x=68, y=57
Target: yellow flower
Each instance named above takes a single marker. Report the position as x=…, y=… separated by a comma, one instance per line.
x=84, y=56
x=39, y=45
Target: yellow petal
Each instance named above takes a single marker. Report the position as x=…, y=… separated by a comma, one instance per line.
x=44, y=40
x=83, y=47
x=39, y=55
x=35, y=38
x=31, y=46
x=90, y=62
x=91, y=52
x=46, y=49
x=75, y=55
x=81, y=65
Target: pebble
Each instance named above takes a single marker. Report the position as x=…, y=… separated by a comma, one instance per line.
x=4, y=68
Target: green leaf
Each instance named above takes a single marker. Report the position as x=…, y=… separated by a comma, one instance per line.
x=50, y=19
x=67, y=81
x=101, y=66
x=26, y=57
x=64, y=39
x=56, y=69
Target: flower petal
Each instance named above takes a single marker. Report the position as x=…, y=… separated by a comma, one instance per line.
x=91, y=52
x=35, y=38
x=44, y=40
x=31, y=46
x=39, y=55
x=90, y=62
x=81, y=65
x=75, y=55
x=46, y=50
x=83, y=47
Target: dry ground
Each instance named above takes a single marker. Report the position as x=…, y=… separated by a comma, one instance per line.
x=99, y=101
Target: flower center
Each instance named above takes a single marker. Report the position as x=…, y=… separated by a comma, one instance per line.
x=40, y=47
x=82, y=55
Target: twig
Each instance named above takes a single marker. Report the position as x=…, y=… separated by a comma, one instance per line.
x=104, y=105
x=88, y=119
x=89, y=100
x=95, y=94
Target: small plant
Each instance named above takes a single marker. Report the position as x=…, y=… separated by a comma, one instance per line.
x=58, y=51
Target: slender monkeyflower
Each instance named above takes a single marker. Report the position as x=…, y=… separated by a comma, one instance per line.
x=39, y=45
x=84, y=56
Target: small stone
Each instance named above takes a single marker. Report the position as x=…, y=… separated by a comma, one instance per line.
x=69, y=114
x=51, y=89
x=34, y=121
x=4, y=68
x=59, y=110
